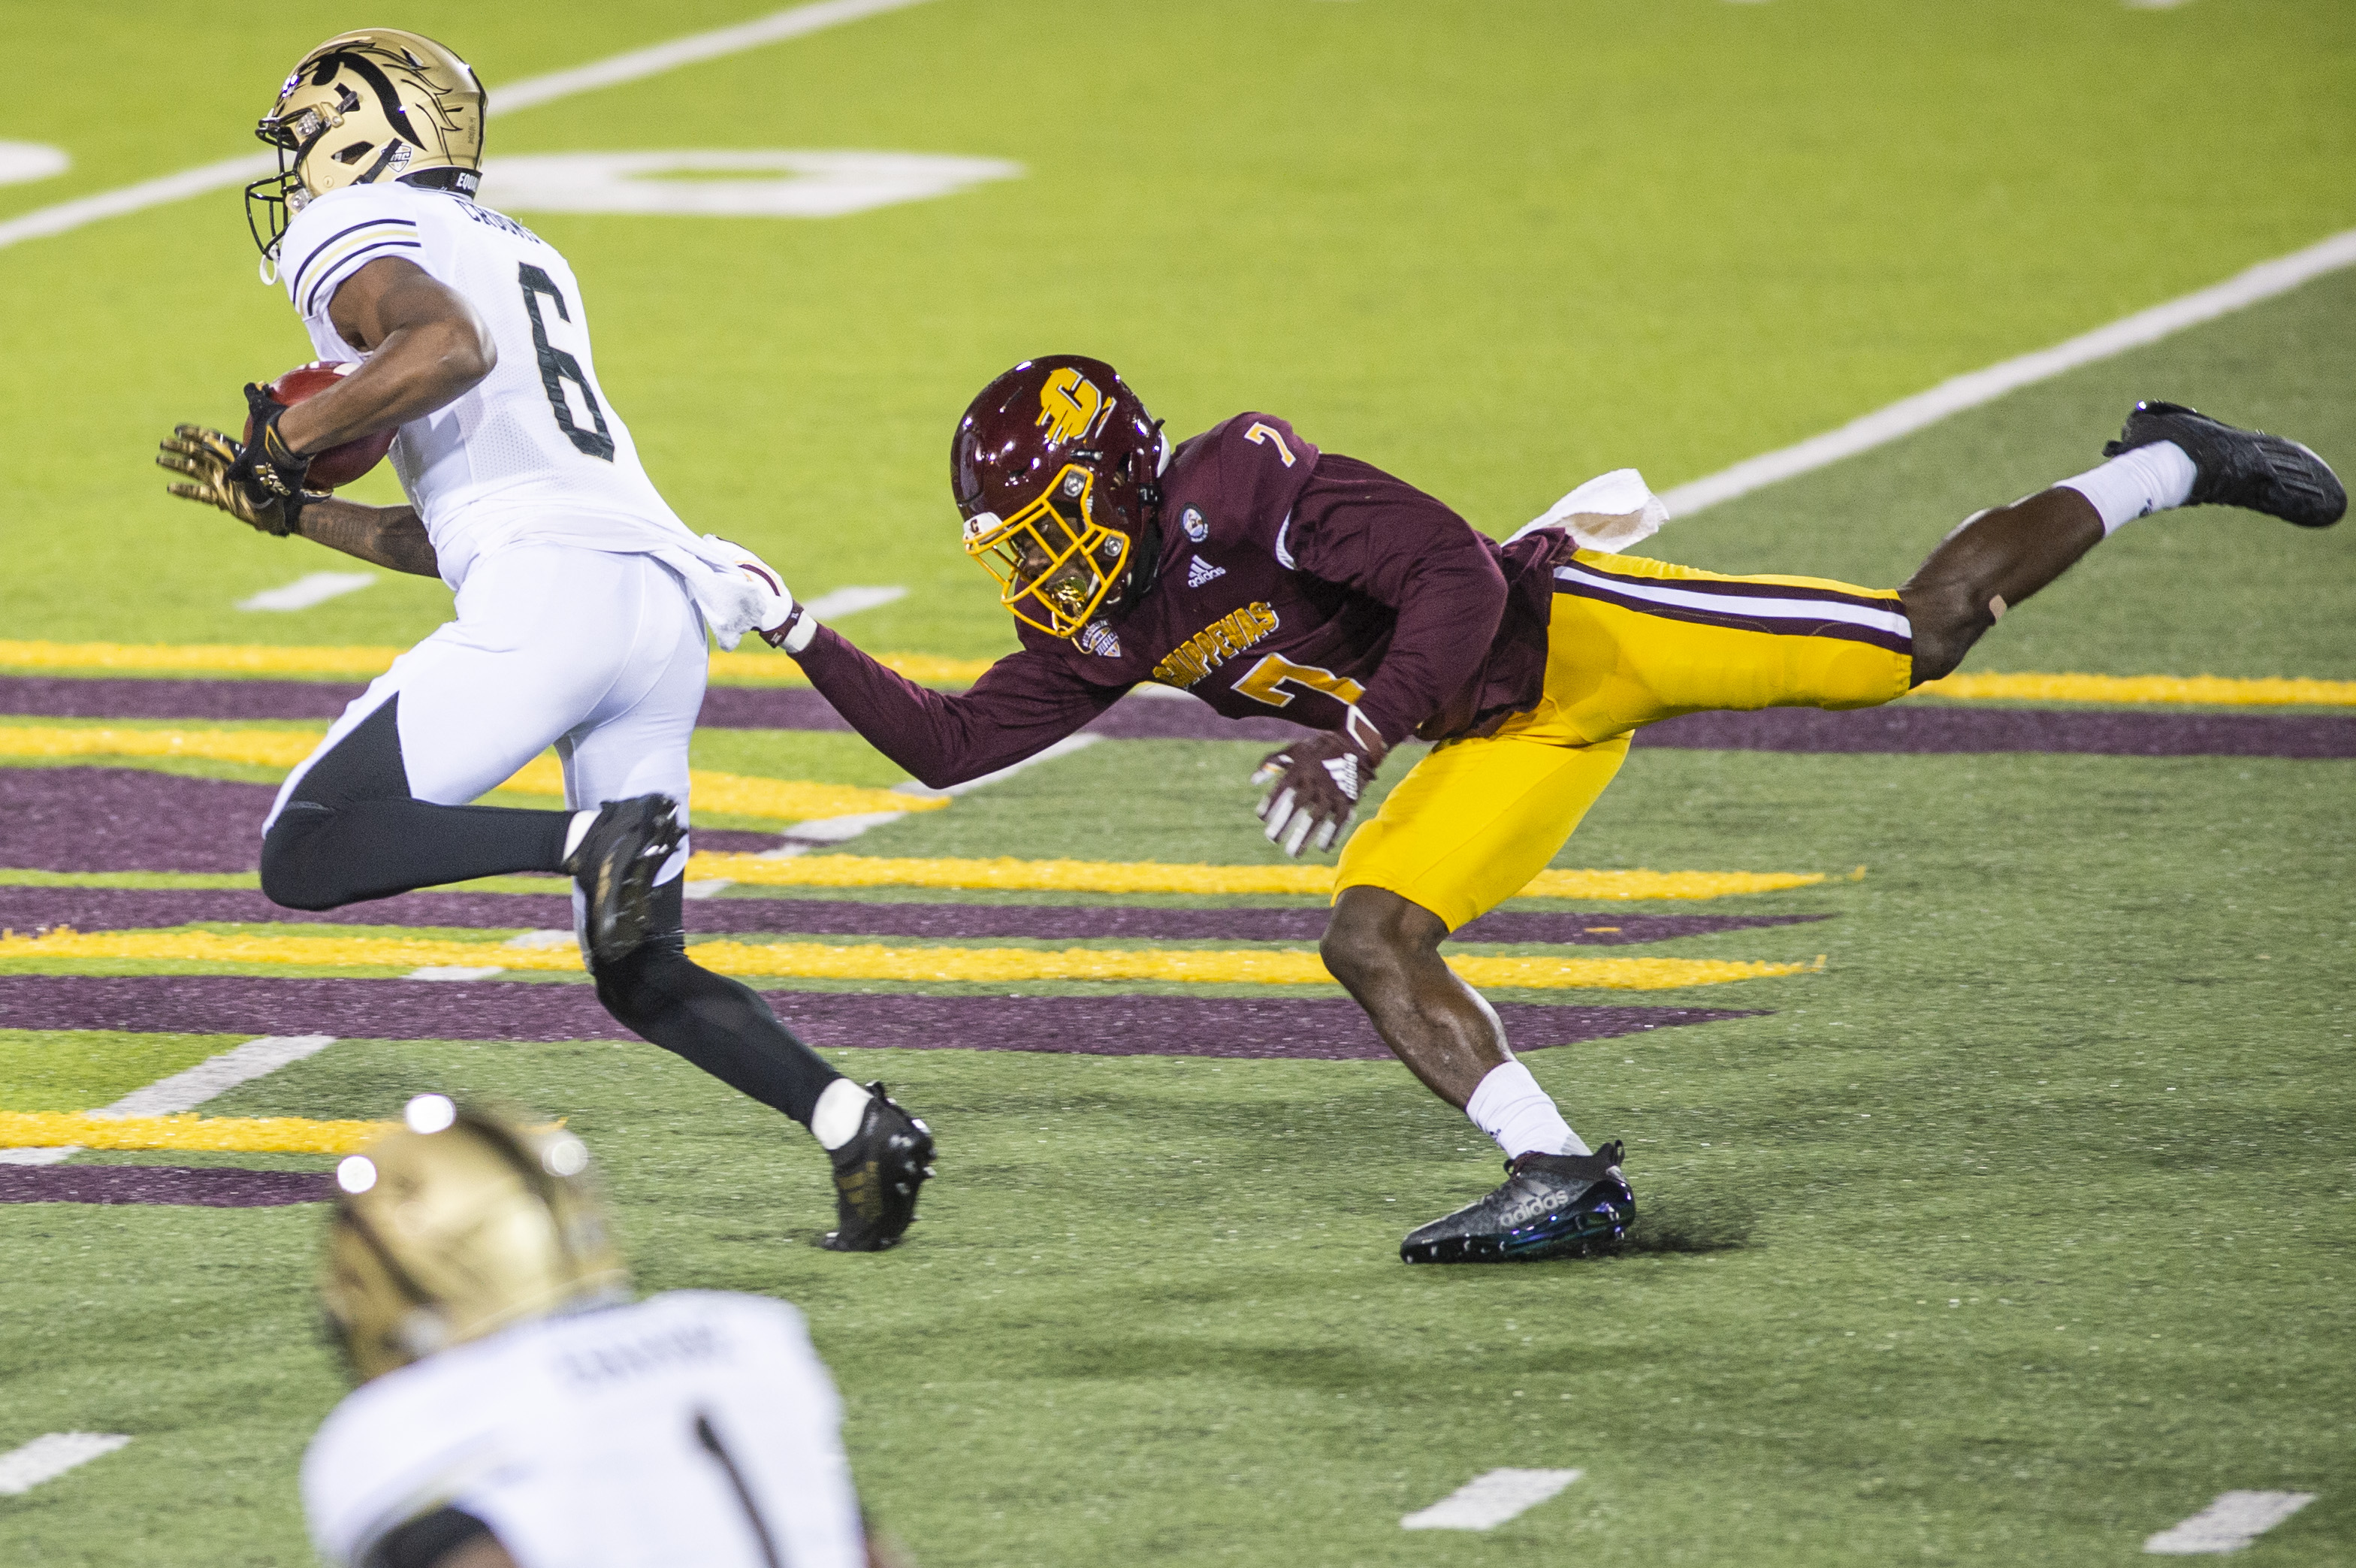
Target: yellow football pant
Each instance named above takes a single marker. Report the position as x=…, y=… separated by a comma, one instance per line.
x=1630, y=641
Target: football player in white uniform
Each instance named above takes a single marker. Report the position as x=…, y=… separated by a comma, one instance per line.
x=516, y=1411
x=582, y=601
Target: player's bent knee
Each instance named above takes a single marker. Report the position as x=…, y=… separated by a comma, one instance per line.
x=643, y=981
x=1945, y=619
x=298, y=864
x=1375, y=934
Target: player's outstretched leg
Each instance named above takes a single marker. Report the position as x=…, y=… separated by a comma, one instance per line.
x=882, y=1155
x=349, y=830
x=2168, y=456
x=1558, y=1198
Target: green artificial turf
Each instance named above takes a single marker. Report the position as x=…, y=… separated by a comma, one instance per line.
x=1495, y=258
x=2207, y=591
x=2015, y=1235
x=2075, y=1069
x=83, y=1069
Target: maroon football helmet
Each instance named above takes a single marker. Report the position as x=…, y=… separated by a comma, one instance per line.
x=1056, y=468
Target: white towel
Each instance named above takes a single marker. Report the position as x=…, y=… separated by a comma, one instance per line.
x=736, y=590
x=1611, y=512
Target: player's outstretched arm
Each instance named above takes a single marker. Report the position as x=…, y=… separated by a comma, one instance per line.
x=1022, y=704
x=390, y=536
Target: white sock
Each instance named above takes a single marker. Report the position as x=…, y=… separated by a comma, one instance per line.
x=577, y=830
x=840, y=1108
x=2136, y=484
x=1510, y=1107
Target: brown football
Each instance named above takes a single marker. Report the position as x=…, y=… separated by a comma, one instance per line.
x=338, y=465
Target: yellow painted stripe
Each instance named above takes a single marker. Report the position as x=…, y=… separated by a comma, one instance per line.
x=361, y=662
x=784, y=800
x=259, y=747
x=226, y=1134
x=2216, y=690
x=818, y=960
x=1157, y=877
x=196, y=659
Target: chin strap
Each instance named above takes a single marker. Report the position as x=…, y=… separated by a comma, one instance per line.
x=1145, y=561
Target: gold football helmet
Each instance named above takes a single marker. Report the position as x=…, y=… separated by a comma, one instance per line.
x=456, y=1225
x=372, y=105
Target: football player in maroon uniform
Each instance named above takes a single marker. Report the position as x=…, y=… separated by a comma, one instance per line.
x=1267, y=578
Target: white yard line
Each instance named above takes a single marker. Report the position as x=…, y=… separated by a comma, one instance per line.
x=312, y=588
x=1908, y=416
x=851, y=601
x=721, y=42
x=218, y=1075
x=634, y=66
x=186, y=1091
x=1487, y=1501
x=1064, y=747
x=46, y=1458
x=456, y=971
x=825, y=832
x=2232, y=1522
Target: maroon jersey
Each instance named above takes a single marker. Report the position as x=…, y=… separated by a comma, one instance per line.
x=1292, y=584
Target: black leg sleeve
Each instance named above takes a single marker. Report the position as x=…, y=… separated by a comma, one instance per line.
x=353, y=831
x=720, y=1024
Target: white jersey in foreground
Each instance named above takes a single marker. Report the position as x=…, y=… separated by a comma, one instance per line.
x=672, y=1433
x=535, y=451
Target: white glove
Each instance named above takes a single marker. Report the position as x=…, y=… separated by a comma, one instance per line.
x=743, y=593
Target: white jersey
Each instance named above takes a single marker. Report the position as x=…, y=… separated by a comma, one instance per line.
x=679, y=1432
x=535, y=451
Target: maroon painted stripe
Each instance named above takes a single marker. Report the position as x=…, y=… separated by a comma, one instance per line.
x=49, y=696
x=1315, y=1030
x=724, y=707
x=202, y=1187
x=1923, y=729
x=133, y=818
x=117, y=909
x=128, y=819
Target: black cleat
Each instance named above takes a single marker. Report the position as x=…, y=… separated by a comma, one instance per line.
x=876, y=1175
x=617, y=864
x=1551, y=1206
x=2240, y=468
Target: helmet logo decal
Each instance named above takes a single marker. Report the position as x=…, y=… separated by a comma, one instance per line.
x=1070, y=406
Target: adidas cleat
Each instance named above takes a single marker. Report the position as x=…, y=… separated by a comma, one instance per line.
x=1551, y=1206
x=617, y=864
x=876, y=1175
x=2240, y=468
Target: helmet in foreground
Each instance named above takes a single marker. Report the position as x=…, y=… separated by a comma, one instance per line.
x=373, y=105
x=456, y=1225
x=1056, y=468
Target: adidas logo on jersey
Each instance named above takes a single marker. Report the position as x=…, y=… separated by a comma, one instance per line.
x=1199, y=572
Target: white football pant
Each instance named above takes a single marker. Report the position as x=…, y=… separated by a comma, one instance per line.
x=602, y=656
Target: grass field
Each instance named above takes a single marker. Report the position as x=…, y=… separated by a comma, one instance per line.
x=2019, y=1232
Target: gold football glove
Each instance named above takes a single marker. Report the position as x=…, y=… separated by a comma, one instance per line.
x=219, y=477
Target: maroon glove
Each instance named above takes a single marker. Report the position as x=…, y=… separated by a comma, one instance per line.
x=1315, y=784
